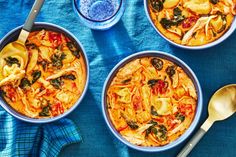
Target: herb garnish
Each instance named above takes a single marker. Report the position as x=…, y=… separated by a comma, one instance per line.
x=24, y=83
x=36, y=75
x=10, y=61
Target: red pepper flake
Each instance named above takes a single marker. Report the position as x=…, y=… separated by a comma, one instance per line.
x=73, y=84
x=159, y=87
x=188, y=22
x=55, y=38
x=57, y=109
x=186, y=109
x=122, y=128
x=137, y=102
x=159, y=119
x=11, y=93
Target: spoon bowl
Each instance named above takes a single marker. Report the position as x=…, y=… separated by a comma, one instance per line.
x=223, y=103
x=221, y=106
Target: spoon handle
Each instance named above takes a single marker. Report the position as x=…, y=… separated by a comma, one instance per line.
x=32, y=15
x=192, y=143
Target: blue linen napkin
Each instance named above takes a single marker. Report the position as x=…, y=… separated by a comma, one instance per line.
x=23, y=139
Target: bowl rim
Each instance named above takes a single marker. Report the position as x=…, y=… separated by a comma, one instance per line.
x=48, y=120
x=106, y=19
x=201, y=47
x=180, y=63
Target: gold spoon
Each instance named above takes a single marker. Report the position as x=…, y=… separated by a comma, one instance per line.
x=221, y=106
x=17, y=48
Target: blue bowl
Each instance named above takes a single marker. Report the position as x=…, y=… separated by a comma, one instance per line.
x=12, y=36
x=214, y=43
x=178, y=62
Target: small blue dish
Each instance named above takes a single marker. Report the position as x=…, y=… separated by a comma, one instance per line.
x=214, y=43
x=99, y=14
x=12, y=36
x=178, y=62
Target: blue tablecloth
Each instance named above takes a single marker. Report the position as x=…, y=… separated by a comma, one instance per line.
x=214, y=67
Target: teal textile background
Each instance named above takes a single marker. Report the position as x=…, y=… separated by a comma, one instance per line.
x=214, y=67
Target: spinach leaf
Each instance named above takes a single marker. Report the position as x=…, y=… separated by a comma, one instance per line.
x=56, y=83
x=157, y=5
x=69, y=77
x=36, y=75
x=71, y=46
x=44, y=64
x=76, y=54
x=152, y=82
x=163, y=132
x=126, y=81
x=10, y=61
x=2, y=93
x=73, y=49
x=133, y=125
x=180, y=117
x=166, y=23
x=57, y=59
x=170, y=70
x=157, y=63
x=45, y=111
x=153, y=122
x=177, y=12
x=151, y=129
x=214, y=1
x=178, y=18
x=25, y=83
x=153, y=111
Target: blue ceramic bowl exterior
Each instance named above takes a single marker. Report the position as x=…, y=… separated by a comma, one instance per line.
x=216, y=42
x=178, y=62
x=12, y=36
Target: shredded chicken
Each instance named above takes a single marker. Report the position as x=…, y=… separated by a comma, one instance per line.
x=201, y=23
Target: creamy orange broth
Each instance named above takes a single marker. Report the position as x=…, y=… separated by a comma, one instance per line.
x=151, y=101
x=192, y=22
x=53, y=80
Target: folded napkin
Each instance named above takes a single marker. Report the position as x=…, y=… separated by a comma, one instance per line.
x=22, y=139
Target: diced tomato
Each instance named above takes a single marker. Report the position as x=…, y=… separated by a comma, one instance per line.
x=171, y=124
x=73, y=84
x=57, y=109
x=186, y=109
x=159, y=87
x=55, y=38
x=114, y=95
x=159, y=119
x=188, y=22
x=137, y=102
x=122, y=128
x=11, y=93
x=49, y=92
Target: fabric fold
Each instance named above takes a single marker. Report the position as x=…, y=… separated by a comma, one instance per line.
x=22, y=139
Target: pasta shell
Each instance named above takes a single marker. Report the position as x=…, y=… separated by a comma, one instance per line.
x=162, y=105
x=33, y=60
x=170, y=3
x=175, y=79
x=45, y=53
x=69, y=57
x=200, y=7
x=175, y=30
